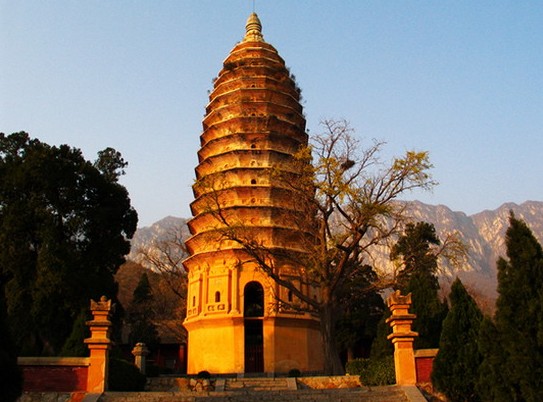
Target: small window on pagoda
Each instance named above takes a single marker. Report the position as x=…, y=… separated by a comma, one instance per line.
x=253, y=182
x=253, y=146
x=217, y=297
x=193, y=301
x=290, y=295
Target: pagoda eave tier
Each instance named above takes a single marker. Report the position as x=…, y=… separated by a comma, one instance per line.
x=242, y=177
x=260, y=112
x=251, y=54
x=246, y=159
x=249, y=215
x=236, y=258
x=246, y=195
x=239, y=141
x=253, y=88
x=266, y=237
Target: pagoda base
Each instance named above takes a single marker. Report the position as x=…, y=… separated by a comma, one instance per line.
x=233, y=345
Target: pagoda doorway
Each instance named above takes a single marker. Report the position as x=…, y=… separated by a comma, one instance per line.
x=253, y=313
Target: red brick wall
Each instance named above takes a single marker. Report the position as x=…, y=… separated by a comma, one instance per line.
x=54, y=378
x=424, y=368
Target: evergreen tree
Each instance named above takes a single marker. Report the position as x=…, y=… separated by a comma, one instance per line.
x=65, y=225
x=519, y=317
x=455, y=367
x=140, y=315
x=418, y=277
x=492, y=384
x=382, y=346
x=361, y=309
x=75, y=344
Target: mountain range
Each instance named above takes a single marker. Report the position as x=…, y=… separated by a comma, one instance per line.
x=483, y=233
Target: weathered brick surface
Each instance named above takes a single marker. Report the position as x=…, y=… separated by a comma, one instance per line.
x=424, y=369
x=424, y=362
x=50, y=378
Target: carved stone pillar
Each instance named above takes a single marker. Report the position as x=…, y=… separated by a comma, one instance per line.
x=140, y=352
x=99, y=345
x=402, y=338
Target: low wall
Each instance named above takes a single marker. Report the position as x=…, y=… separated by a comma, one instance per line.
x=424, y=361
x=54, y=374
x=328, y=382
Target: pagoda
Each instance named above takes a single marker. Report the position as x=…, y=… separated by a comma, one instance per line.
x=253, y=126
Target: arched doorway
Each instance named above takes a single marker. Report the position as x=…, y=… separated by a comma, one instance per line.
x=253, y=312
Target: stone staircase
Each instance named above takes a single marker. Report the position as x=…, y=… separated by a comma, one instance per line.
x=263, y=384
x=166, y=389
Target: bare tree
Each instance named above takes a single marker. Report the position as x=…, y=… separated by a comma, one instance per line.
x=344, y=202
x=164, y=257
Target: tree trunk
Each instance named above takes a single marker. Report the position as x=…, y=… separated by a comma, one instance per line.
x=350, y=354
x=332, y=362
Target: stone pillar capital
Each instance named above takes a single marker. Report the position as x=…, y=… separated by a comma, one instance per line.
x=140, y=351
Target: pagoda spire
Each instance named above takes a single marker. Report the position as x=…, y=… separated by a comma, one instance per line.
x=253, y=29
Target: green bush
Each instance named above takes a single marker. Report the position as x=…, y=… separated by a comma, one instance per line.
x=204, y=375
x=373, y=371
x=125, y=376
x=294, y=373
x=355, y=367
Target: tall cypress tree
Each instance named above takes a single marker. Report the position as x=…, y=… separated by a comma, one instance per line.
x=140, y=315
x=492, y=384
x=456, y=365
x=419, y=278
x=519, y=316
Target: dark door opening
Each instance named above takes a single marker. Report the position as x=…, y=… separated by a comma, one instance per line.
x=253, y=312
x=254, y=346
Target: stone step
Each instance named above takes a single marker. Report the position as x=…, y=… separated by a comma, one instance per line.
x=376, y=394
x=256, y=384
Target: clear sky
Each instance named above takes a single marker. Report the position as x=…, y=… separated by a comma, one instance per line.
x=460, y=79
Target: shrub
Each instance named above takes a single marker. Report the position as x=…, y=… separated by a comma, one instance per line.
x=152, y=370
x=373, y=371
x=125, y=376
x=204, y=375
x=294, y=373
x=357, y=366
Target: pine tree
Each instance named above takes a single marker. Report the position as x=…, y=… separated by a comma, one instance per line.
x=456, y=365
x=519, y=317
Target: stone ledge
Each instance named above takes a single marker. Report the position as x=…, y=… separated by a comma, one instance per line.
x=53, y=361
x=333, y=382
x=426, y=352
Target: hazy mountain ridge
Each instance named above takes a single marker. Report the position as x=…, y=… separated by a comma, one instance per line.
x=483, y=233
x=147, y=236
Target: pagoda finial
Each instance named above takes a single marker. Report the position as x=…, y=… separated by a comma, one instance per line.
x=253, y=29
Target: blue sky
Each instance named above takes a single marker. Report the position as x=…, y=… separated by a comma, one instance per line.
x=460, y=79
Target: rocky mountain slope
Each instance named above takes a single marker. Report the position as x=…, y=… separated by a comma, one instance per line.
x=483, y=233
